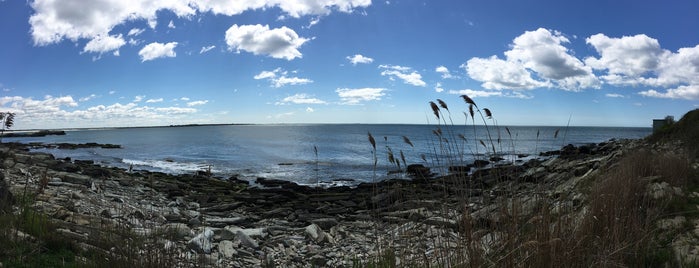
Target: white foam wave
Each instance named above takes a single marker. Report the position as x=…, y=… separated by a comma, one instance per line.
x=169, y=166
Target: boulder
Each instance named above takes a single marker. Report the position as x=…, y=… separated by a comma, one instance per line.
x=317, y=234
x=418, y=170
x=226, y=249
x=202, y=242
x=246, y=240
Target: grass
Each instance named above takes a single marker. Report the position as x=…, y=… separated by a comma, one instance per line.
x=614, y=226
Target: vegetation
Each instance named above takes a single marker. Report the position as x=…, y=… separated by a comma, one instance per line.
x=7, y=120
x=612, y=223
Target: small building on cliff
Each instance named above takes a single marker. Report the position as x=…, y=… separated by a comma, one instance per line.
x=660, y=123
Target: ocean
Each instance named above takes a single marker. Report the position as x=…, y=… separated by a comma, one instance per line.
x=344, y=153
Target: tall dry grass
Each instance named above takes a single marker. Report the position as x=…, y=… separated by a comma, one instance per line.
x=612, y=226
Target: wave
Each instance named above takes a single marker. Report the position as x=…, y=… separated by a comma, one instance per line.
x=169, y=166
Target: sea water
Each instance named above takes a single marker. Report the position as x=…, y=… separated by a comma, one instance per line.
x=326, y=153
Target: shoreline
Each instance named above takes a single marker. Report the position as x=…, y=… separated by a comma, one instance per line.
x=228, y=222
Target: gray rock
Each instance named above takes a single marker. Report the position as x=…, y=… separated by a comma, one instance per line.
x=202, y=242
x=317, y=234
x=221, y=222
x=226, y=249
x=246, y=240
x=325, y=223
x=178, y=230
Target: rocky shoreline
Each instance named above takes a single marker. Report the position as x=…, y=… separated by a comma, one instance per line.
x=228, y=223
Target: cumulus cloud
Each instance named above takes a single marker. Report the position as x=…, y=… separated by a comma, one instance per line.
x=196, y=103
x=157, y=50
x=626, y=59
x=154, y=100
x=278, y=78
x=357, y=95
x=206, y=49
x=640, y=61
x=57, y=111
x=279, y=43
x=404, y=73
x=56, y=20
x=310, y=110
x=300, y=99
x=540, y=54
x=444, y=71
x=690, y=92
x=496, y=73
x=171, y=25
x=357, y=58
x=60, y=111
x=102, y=44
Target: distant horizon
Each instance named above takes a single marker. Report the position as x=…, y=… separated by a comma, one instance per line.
x=67, y=64
x=313, y=124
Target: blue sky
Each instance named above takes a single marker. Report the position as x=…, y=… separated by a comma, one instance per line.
x=75, y=63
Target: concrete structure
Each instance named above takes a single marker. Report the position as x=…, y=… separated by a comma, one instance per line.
x=660, y=123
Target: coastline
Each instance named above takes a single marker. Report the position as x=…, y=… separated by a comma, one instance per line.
x=229, y=223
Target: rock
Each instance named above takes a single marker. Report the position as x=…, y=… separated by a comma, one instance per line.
x=226, y=249
x=222, y=222
x=418, y=170
x=317, y=234
x=325, y=223
x=202, y=242
x=178, y=230
x=246, y=240
x=480, y=163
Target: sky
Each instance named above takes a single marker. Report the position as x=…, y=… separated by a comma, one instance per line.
x=122, y=63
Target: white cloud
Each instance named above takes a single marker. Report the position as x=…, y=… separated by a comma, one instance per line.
x=53, y=21
x=404, y=73
x=135, y=32
x=357, y=58
x=157, y=50
x=313, y=21
x=138, y=98
x=293, y=8
x=444, y=72
x=154, y=100
x=540, y=54
x=279, y=43
x=690, y=92
x=56, y=20
x=62, y=112
x=310, y=110
x=543, y=52
x=614, y=95
x=490, y=93
x=438, y=87
x=195, y=103
x=206, y=49
x=278, y=78
x=626, y=59
x=184, y=99
x=104, y=43
x=640, y=61
x=500, y=74
x=83, y=99
x=111, y=92
x=300, y=99
x=171, y=25
x=357, y=95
